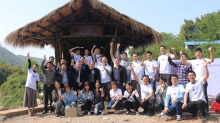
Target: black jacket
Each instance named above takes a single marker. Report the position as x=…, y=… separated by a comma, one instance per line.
x=82, y=74
x=70, y=77
x=122, y=74
x=56, y=99
x=96, y=74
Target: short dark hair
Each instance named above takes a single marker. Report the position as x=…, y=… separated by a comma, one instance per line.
x=135, y=53
x=198, y=49
x=86, y=49
x=36, y=65
x=161, y=78
x=185, y=55
x=97, y=48
x=63, y=64
x=124, y=53
x=149, y=52
x=118, y=59
x=174, y=76
x=145, y=76
x=49, y=63
x=163, y=46
x=129, y=83
x=113, y=83
x=191, y=72
x=51, y=57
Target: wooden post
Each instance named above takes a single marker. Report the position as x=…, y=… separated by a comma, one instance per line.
x=56, y=46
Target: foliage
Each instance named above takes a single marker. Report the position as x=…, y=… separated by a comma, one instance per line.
x=205, y=28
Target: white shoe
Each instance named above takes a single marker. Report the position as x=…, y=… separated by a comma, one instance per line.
x=162, y=113
x=103, y=113
x=117, y=111
x=89, y=113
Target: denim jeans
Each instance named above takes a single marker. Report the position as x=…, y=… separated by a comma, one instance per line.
x=153, y=84
x=175, y=108
x=118, y=105
x=160, y=104
x=98, y=106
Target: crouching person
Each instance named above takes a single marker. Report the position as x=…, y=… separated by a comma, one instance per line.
x=98, y=98
x=116, y=96
x=194, y=98
x=174, y=98
x=130, y=99
x=69, y=97
x=58, y=104
x=86, y=96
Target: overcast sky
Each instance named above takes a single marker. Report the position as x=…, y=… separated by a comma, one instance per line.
x=162, y=15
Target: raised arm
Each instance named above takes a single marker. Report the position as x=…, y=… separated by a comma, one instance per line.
x=111, y=50
x=170, y=60
x=174, y=52
x=144, y=57
x=118, y=53
x=71, y=50
x=29, y=61
x=92, y=50
x=42, y=64
x=206, y=71
x=134, y=74
x=211, y=56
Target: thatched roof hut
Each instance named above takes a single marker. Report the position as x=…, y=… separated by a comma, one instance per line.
x=83, y=23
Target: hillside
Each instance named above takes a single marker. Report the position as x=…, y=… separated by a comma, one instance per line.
x=10, y=58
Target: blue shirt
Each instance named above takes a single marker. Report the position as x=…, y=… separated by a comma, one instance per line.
x=64, y=80
x=84, y=96
x=69, y=98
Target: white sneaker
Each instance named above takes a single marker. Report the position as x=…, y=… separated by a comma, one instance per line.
x=89, y=113
x=117, y=111
x=162, y=113
x=103, y=113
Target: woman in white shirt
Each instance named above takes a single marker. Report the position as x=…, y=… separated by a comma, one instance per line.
x=115, y=95
x=30, y=94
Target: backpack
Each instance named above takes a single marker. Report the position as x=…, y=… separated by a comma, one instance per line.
x=217, y=99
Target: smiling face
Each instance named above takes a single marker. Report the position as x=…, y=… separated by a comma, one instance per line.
x=135, y=57
x=86, y=52
x=191, y=76
x=174, y=80
x=63, y=67
x=92, y=65
x=34, y=67
x=117, y=62
x=124, y=56
x=198, y=54
x=163, y=50
x=161, y=82
x=145, y=80
x=97, y=85
x=128, y=88
x=57, y=85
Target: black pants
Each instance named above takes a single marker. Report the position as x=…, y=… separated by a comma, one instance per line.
x=47, y=92
x=206, y=95
x=167, y=77
x=87, y=105
x=136, y=85
x=91, y=86
x=149, y=104
x=131, y=105
x=194, y=106
x=106, y=87
x=77, y=87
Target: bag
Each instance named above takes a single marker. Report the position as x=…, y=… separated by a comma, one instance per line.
x=217, y=99
x=71, y=112
x=216, y=107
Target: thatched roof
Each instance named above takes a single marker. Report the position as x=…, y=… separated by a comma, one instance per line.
x=41, y=32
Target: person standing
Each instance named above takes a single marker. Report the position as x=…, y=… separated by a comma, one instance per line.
x=164, y=66
x=119, y=75
x=95, y=54
x=75, y=55
x=182, y=68
x=199, y=69
x=137, y=68
x=174, y=98
x=94, y=75
x=48, y=80
x=87, y=57
x=124, y=61
x=30, y=94
x=150, y=68
x=58, y=104
x=105, y=76
x=194, y=98
x=51, y=59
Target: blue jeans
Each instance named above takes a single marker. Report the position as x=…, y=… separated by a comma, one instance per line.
x=160, y=104
x=153, y=84
x=98, y=106
x=112, y=102
x=175, y=108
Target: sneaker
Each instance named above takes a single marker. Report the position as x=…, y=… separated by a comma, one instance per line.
x=162, y=113
x=207, y=112
x=89, y=113
x=151, y=113
x=137, y=113
x=103, y=113
x=179, y=117
x=203, y=119
x=127, y=113
x=117, y=111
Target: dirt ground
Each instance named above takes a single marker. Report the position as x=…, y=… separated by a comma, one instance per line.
x=110, y=118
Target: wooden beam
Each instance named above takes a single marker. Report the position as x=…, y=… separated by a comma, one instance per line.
x=88, y=23
x=84, y=36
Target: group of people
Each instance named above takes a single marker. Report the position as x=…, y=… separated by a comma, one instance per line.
x=91, y=80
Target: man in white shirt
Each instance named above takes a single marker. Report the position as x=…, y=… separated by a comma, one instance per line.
x=198, y=68
x=164, y=66
x=95, y=54
x=194, y=98
x=150, y=68
x=174, y=98
x=105, y=75
x=137, y=68
x=87, y=57
x=147, y=96
x=75, y=53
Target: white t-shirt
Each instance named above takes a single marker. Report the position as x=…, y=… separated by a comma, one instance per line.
x=103, y=73
x=196, y=90
x=137, y=69
x=89, y=59
x=59, y=93
x=77, y=57
x=31, y=79
x=115, y=94
x=146, y=90
x=131, y=98
x=165, y=67
x=174, y=91
x=149, y=67
x=198, y=68
x=97, y=56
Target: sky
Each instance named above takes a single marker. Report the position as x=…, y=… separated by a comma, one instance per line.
x=162, y=15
